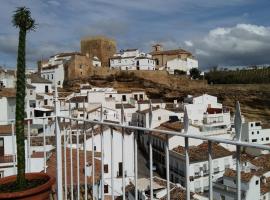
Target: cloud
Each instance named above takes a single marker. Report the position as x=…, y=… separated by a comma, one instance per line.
x=243, y=44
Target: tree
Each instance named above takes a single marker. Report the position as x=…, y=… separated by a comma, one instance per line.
x=21, y=19
x=195, y=73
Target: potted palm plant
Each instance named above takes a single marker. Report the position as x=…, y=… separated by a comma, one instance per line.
x=23, y=185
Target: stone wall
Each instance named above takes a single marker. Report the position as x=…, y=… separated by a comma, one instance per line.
x=102, y=47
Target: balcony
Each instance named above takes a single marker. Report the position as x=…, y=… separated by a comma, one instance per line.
x=6, y=159
x=80, y=173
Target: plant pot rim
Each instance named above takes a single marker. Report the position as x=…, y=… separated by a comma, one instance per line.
x=28, y=192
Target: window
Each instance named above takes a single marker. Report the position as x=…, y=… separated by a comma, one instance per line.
x=252, y=132
x=80, y=66
x=251, y=124
x=262, y=139
x=46, y=88
x=106, y=168
x=31, y=92
x=59, y=82
x=257, y=124
x=267, y=138
x=106, y=189
x=254, y=140
x=2, y=146
x=52, y=76
x=257, y=182
x=135, y=96
x=159, y=118
x=141, y=96
x=45, y=101
x=124, y=98
x=95, y=148
x=258, y=132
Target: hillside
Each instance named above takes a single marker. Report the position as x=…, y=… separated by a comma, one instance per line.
x=254, y=98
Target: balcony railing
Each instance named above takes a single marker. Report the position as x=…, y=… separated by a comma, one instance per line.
x=6, y=159
x=73, y=140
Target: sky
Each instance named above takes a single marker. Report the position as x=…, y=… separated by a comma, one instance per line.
x=217, y=32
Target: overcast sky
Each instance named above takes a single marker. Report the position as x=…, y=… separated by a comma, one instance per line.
x=217, y=32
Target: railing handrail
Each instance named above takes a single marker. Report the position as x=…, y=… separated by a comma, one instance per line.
x=174, y=133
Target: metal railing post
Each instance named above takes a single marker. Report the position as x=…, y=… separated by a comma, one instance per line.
x=44, y=144
x=186, y=127
x=102, y=153
x=210, y=170
x=238, y=172
x=123, y=152
x=93, y=161
x=112, y=165
x=13, y=148
x=167, y=166
x=150, y=151
x=136, y=165
x=28, y=147
x=58, y=160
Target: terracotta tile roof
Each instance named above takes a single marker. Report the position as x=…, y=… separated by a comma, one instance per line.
x=152, y=101
x=78, y=99
x=35, y=78
x=37, y=155
x=262, y=161
x=147, y=110
x=167, y=126
x=50, y=67
x=265, y=187
x=7, y=92
x=5, y=129
x=69, y=54
x=177, y=193
x=245, y=176
x=171, y=52
x=52, y=166
x=126, y=105
x=200, y=152
x=30, y=86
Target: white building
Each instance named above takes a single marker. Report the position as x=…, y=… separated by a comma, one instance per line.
x=118, y=164
x=179, y=64
x=225, y=187
x=132, y=59
x=7, y=78
x=198, y=166
x=7, y=105
x=159, y=190
x=253, y=132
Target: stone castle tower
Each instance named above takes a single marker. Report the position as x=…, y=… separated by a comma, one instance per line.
x=100, y=46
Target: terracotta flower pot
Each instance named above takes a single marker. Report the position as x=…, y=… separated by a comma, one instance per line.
x=41, y=192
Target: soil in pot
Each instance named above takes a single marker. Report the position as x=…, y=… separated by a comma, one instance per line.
x=13, y=186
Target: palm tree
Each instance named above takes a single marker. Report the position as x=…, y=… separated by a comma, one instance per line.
x=21, y=19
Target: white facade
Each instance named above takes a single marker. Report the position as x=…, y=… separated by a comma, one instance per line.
x=181, y=65
x=250, y=189
x=132, y=59
x=7, y=106
x=117, y=149
x=7, y=78
x=198, y=170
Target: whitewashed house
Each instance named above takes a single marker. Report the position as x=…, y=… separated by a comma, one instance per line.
x=198, y=166
x=7, y=105
x=225, y=187
x=254, y=132
x=7, y=78
x=132, y=59
x=159, y=190
x=118, y=164
x=53, y=69
x=179, y=64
